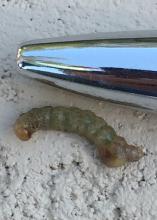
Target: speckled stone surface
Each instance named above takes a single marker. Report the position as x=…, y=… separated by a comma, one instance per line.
x=55, y=175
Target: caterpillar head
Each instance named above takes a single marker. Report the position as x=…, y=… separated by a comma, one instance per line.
x=119, y=153
x=22, y=128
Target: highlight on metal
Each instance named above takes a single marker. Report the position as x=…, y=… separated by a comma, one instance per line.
x=119, y=67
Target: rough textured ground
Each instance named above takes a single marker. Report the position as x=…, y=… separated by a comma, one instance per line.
x=57, y=176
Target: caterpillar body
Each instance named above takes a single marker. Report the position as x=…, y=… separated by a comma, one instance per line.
x=113, y=149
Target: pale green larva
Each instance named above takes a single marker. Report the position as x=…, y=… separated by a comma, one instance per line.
x=113, y=149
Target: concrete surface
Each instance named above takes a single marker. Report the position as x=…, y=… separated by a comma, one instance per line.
x=57, y=176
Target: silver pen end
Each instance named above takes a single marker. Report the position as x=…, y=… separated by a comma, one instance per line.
x=120, y=69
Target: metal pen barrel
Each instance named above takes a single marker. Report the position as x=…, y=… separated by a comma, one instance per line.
x=116, y=68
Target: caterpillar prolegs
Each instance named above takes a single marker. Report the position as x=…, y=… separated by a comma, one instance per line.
x=113, y=149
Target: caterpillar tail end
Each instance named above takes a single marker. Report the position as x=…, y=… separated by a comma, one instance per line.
x=119, y=153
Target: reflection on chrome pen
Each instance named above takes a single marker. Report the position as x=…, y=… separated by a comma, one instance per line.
x=122, y=70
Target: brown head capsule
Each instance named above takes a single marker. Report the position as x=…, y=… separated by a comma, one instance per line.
x=22, y=130
x=113, y=150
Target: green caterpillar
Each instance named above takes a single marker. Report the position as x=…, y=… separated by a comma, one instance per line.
x=113, y=149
